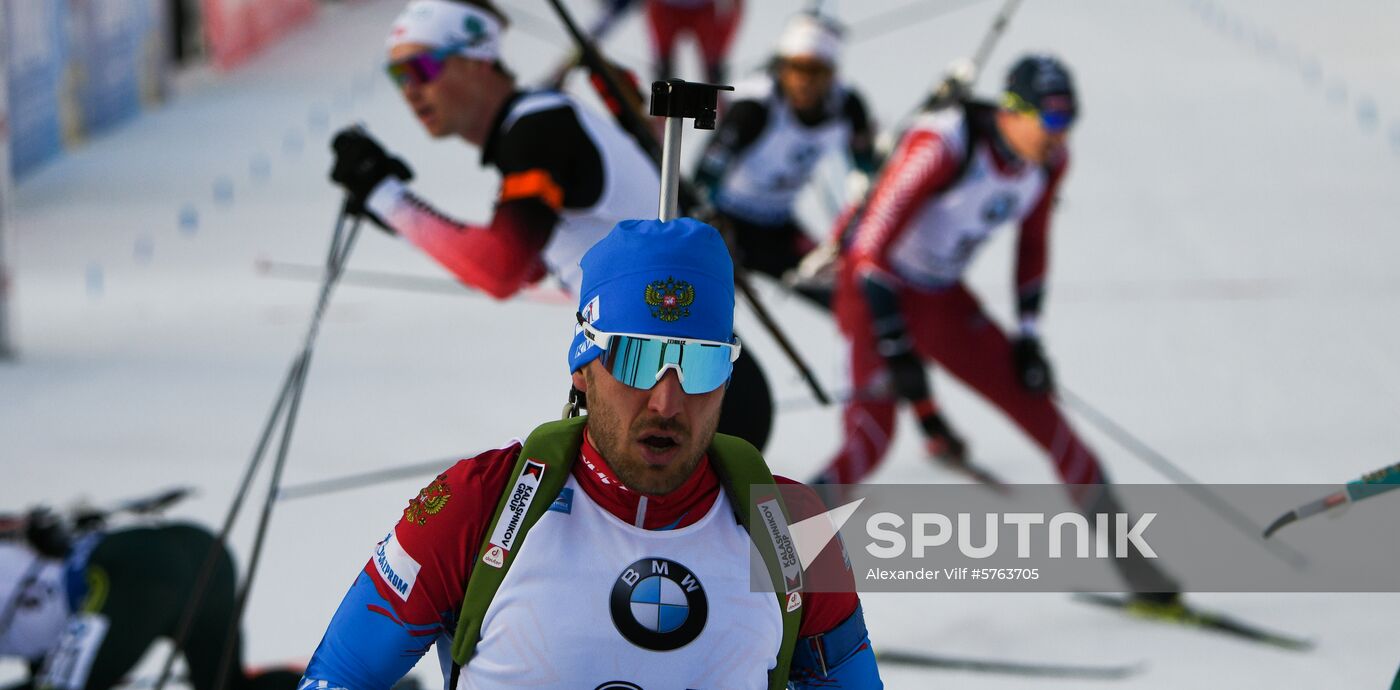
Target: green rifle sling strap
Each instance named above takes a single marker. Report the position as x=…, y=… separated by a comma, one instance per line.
x=747, y=481
x=554, y=444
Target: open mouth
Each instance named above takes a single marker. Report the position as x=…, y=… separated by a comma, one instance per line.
x=659, y=442
x=659, y=448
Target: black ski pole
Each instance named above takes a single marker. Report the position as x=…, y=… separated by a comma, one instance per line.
x=958, y=82
x=629, y=117
x=339, y=256
x=1159, y=462
x=867, y=28
x=1007, y=667
x=211, y=557
x=241, y=597
x=989, y=41
x=902, y=17
x=335, y=255
x=741, y=280
x=406, y=282
x=601, y=27
x=359, y=479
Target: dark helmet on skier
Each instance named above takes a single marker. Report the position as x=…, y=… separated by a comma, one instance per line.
x=1041, y=84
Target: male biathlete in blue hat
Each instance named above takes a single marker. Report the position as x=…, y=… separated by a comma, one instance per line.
x=610, y=550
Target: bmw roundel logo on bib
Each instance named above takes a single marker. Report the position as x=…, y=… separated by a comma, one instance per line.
x=658, y=604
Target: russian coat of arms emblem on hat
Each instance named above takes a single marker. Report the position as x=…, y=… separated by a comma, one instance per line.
x=670, y=299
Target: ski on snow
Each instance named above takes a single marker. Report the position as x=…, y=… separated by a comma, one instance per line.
x=1006, y=667
x=1184, y=614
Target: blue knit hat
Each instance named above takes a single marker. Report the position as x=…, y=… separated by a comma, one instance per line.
x=653, y=278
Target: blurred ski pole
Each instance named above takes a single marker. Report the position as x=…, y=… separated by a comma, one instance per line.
x=1371, y=484
x=612, y=15
x=902, y=17
x=288, y=399
x=361, y=479
x=339, y=255
x=956, y=84
x=874, y=26
x=85, y=517
x=406, y=282
x=1159, y=462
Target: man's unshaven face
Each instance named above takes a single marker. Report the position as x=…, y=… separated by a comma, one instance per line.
x=652, y=439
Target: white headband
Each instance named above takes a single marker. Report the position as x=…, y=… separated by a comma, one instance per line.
x=807, y=36
x=439, y=23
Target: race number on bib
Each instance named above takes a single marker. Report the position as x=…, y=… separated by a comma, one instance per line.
x=68, y=666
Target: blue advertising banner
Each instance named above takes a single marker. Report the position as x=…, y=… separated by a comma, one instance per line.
x=109, y=46
x=35, y=48
x=6, y=196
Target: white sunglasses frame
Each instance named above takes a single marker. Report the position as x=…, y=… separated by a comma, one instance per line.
x=601, y=340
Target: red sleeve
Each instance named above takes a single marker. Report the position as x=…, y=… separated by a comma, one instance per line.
x=1032, y=249
x=821, y=610
x=921, y=165
x=441, y=532
x=499, y=259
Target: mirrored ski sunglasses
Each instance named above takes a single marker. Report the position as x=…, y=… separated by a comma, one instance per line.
x=1054, y=121
x=640, y=360
x=421, y=68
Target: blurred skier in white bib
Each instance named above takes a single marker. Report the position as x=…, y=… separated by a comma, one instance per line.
x=774, y=132
x=568, y=174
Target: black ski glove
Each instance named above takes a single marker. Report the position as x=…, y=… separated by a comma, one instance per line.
x=1032, y=369
x=360, y=165
x=892, y=341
